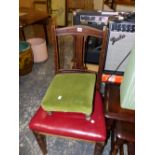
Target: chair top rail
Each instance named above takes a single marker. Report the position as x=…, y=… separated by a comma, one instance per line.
x=80, y=30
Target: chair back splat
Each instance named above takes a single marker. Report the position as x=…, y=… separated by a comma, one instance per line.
x=80, y=34
x=72, y=105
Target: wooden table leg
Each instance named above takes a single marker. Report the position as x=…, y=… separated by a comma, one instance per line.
x=45, y=31
x=117, y=145
x=21, y=31
x=131, y=148
x=121, y=150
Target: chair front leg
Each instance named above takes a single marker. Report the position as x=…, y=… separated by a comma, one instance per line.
x=41, y=140
x=98, y=148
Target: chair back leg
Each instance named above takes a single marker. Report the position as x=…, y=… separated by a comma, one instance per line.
x=41, y=140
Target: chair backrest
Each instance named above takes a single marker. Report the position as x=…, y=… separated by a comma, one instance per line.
x=80, y=34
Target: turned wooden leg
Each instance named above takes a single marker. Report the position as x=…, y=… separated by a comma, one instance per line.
x=98, y=148
x=121, y=150
x=45, y=31
x=112, y=134
x=112, y=140
x=117, y=145
x=41, y=139
x=131, y=148
x=22, y=34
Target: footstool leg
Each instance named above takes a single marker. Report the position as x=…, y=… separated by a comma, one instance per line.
x=41, y=139
x=98, y=148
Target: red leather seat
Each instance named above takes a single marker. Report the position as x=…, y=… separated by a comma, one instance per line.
x=72, y=125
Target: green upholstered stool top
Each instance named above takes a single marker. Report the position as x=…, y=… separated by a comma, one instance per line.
x=70, y=92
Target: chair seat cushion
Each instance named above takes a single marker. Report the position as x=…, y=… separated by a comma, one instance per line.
x=72, y=125
x=70, y=92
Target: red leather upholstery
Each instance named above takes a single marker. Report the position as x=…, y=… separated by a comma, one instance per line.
x=72, y=125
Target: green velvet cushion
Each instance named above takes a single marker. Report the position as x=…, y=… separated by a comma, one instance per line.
x=70, y=92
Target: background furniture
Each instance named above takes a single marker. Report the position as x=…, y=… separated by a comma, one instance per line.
x=113, y=3
x=25, y=6
x=80, y=4
x=32, y=18
x=25, y=58
x=58, y=10
x=124, y=133
x=41, y=5
x=39, y=49
x=66, y=124
x=120, y=113
x=114, y=113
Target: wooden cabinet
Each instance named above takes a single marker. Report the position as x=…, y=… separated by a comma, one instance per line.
x=75, y=4
x=80, y=4
x=58, y=11
x=41, y=5
x=89, y=4
x=25, y=5
x=114, y=3
x=125, y=2
x=29, y=5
